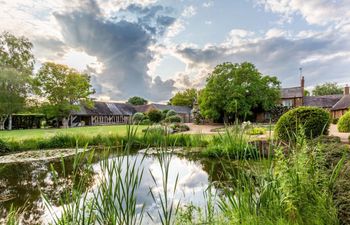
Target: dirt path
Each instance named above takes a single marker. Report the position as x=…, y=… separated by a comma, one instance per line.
x=333, y=131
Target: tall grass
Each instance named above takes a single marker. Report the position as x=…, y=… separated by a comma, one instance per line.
x=233, y=143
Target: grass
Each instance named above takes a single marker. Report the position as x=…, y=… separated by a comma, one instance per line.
x=20, y=135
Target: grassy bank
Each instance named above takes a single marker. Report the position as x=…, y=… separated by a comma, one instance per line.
x=21, y=135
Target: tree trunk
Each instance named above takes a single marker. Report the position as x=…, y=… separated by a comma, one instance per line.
x=2, y=122
x=10, y=122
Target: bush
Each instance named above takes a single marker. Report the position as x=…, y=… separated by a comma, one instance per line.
x=138, y=117
x=312, y=121
x=145, y=122
x=173, y=119
x=171, y=113
x=164, y=112
x=154, y=115
x=180, y=127
x=256, y=131
x=344, y=123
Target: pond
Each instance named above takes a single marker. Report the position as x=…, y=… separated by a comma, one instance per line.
x=22, y=183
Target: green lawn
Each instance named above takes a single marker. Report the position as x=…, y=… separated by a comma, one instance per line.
x=46, y=133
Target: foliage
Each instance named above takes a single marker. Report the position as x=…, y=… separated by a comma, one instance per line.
x=154, y=115
x=13, y=91
x=137, y=101
x=306, y=93
x=64, y=88
x=235, y=90
x=138, y=117
x=344, y=123
x=256, y=131
x=16, y=67
x=173, y=119
x=184, y=98
x=277, y=111
x=233, y=143
x=327, y=89
x=293, y=190
x=313, y=121
x=16, y=53
x=177, y=127
x=171, y=113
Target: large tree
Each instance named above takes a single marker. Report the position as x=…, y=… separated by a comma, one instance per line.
x=327, y=89
x=64, y=88
x=16, y=68
x=137, y=101
x=236, y=90
x=184, y=98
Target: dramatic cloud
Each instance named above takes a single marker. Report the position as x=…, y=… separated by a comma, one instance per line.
x=276, y=53
x=122, y=46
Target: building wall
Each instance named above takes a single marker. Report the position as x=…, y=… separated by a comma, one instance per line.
x=338, y=113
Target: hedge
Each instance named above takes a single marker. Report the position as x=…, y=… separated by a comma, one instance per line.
x=313, y=121
x=344, y=123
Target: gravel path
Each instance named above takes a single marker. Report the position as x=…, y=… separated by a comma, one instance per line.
x=333, y=131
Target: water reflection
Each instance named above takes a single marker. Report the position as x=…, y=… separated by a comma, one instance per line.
x=20, y=184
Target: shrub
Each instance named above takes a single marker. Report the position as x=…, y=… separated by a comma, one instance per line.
x=173, y=119
x=145, y=122
x=164, y=112
x=344, y=123
x=171, y=113
x=179, y=127
x=138, y=117
x=256, y=131
x=312, y=121
x=154, y=115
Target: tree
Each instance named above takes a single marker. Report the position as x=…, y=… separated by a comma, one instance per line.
x=137, y=101
x=64, y=88
x=16, y=69
x=13, y=92
x=327, y=89
x=236, y=90
x=184, y=98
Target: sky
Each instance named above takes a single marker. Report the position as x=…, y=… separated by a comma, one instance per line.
x=154, y=48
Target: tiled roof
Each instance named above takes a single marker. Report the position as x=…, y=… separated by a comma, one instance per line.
x=293, y=92
x=343, y=103
x=107, y=109
x=161, y=107
x=326, y=101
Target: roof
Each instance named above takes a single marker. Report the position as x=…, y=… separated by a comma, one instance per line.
x=161, y=107
x=343, y=103
x=293, y=92
x=326, y=101
x=107, y=109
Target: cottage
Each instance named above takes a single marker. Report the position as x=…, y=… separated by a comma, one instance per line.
x=293, y=96
x=343, y=105
x=102, y=113
x=183, y=111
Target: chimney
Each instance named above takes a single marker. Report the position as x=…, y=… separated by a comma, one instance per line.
x=302, y=82
x=346, y=90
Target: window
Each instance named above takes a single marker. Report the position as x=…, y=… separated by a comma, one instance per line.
x=287, y=102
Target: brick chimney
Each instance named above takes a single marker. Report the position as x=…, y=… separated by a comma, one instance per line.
x=346, y=90
x=302, y=85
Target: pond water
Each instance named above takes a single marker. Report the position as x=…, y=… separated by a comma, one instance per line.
x=21, y=184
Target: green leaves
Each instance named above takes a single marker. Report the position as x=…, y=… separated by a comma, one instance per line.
x=64, y=88
x=236, y=90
